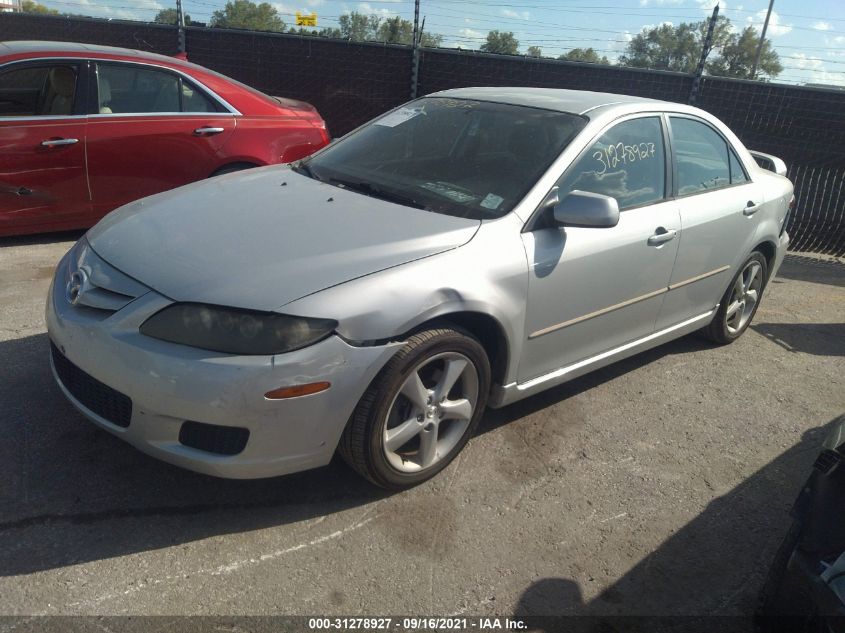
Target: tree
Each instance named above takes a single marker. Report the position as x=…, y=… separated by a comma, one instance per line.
x=168, y=16
x=534, y=51
x=736, y=57
x=359, y=27
x=665, y=47
x=584, y=55
x=329, y=31
x=245, y=14
x=395, y=30
x=502, y=42
x=29, y=6
x=670, y=47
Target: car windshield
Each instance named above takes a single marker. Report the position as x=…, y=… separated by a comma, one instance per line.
x=460, y=157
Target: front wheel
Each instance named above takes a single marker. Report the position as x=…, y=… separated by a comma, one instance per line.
x=740, y=302
x=420, y=410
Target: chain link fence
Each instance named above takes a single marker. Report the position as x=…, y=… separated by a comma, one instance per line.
x=351, y=82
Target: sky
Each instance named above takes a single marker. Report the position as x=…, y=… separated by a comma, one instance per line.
x=809, y=35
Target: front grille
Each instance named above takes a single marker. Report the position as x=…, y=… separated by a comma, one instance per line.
x=827, y=461
x=223, y=440
x=101, y=399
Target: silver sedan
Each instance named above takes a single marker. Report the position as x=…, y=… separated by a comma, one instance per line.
x=465, y=250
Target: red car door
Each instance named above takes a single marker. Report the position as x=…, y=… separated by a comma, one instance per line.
x=155, y=130
x=43, y=181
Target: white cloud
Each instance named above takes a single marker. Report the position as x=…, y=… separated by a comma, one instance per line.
x=775, y=26
x=648, y=27
x=659, y=3
x=822, y=26
x=707, y=5
x=478, y=35
x=804, y=62
x=367, y=9
x=143, y=10
x=517, y=15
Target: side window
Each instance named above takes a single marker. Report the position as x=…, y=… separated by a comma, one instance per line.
x=738, y=174
x=627, y=163
x=38, y=91
x=701, y=155
x=136, y=90
x=193, y=100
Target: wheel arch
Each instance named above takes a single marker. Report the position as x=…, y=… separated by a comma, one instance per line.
x=769, y=251
x=233, y=165
x=484, y=327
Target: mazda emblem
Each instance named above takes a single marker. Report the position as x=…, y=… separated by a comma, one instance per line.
x=75, y=285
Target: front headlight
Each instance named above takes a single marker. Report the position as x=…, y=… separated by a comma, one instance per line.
x=233, y=330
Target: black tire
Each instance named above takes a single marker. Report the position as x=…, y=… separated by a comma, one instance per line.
x=230, y=169
x=718, y=331
x=361, y=445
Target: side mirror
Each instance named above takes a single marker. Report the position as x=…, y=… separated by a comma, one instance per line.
x=582, y=208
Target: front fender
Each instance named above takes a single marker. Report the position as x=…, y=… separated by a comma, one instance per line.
x=488, y=275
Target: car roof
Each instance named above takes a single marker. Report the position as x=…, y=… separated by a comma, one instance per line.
x=572, y=101
x=34, y=46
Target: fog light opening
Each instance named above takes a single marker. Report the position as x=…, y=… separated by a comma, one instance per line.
x=295, y=391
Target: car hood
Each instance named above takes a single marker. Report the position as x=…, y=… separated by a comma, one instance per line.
x=262, y=238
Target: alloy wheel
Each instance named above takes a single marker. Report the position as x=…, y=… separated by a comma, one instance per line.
x=744, y=298
x=431, y=412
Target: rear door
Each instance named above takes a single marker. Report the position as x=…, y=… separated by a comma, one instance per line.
x=43, y=183
x=154, y=129
x=717, y=202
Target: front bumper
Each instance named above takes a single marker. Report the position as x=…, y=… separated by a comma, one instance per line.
x=170, y=384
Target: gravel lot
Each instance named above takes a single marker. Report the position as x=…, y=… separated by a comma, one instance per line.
x=660, y=485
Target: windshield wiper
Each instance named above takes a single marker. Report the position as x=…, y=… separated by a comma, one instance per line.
x=304, y=169
x=374, y=191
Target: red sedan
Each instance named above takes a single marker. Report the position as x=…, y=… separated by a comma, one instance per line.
x=85, y=129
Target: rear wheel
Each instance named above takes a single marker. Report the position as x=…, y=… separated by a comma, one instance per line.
x=740, y=302
x=420, y=410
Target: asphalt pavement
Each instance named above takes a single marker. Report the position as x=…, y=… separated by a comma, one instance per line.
x=660, y=486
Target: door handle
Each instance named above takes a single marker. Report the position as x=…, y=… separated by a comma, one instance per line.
x=750, y=208
x=57, y=142
x=661, y=236
x=208, y=131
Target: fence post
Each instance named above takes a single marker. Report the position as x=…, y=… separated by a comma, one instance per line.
x=415, y=56
x=180, y=29
x=705, y=51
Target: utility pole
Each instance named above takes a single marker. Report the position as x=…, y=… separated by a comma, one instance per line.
x=415, y=62
x=762, y=39
x=705, y=51
x=180, y=28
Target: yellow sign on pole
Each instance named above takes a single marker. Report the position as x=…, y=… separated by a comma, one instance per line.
x=306, y=20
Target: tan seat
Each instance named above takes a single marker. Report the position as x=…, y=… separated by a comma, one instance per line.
x=61, y=84
x=104, y=88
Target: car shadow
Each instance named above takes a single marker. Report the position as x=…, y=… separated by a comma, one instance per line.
x=41, y=238
x=821, y=339
x=62, y=479
x=714, y=565
x=495, y=418
x=813, y=269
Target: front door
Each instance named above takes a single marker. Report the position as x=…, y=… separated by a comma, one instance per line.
x=154, y=130
x=43, y=182
x=594, y=289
